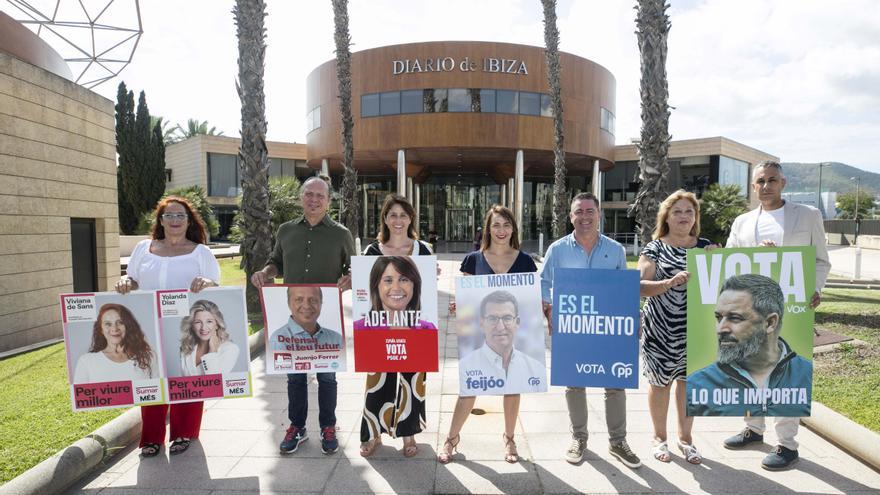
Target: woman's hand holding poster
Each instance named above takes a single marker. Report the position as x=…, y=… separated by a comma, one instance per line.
x=395, y=313
x=750, y=331
x=305, y=329
x=500, y=334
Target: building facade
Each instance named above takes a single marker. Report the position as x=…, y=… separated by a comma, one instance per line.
x=58, y=209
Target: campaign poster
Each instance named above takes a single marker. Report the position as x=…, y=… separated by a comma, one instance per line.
x=500, y=334
x=114, y=350
x=394, y=306
x=205, y=339
x=595, y=328
x=305, y=331
x=750, y=331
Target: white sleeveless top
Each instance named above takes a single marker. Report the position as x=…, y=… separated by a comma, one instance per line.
x=171, y=272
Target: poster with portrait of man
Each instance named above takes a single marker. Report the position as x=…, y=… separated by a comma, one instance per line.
x=500, y=334
x=595, y=328
x=394, y=306
x=305, y=331
x=113, y=348
x=750, y=331
x=205, y=342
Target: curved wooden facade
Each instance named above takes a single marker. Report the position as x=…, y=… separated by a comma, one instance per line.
x=480, y=141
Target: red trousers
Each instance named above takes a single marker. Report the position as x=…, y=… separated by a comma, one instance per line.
x=186, y=421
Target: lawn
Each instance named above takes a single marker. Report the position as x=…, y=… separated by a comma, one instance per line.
x=848, y=379
x=36, y=419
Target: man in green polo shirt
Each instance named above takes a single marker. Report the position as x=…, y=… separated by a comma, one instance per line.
x=312, y=249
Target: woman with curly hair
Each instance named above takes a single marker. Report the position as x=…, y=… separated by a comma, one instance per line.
x=176, y=257
x=119, y=349
x=205, y=348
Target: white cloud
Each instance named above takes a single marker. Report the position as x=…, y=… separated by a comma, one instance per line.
x=797, y=79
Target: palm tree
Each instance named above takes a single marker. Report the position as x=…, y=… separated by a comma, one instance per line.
x=194, y=127
x=168, y=136
x=652, y=31
x=348, y=207
x=256, y=228
x=551, y=42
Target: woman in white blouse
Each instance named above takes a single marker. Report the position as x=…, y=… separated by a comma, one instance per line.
x=119, y=349
x=175, y=258
x=205, y=348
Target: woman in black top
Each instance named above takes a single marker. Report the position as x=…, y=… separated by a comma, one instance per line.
x=499, y=253
x=394, y=402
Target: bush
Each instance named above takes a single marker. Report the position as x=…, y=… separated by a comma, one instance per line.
x=197, y=198
x=284, y=205
x=719, y=206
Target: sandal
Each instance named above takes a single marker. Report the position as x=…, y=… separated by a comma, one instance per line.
x=370, y=446
x=150, y=450
x=449, y=449
x=410, y=448
x=178, y=446
x=510, y=453
x=690, y=453
x=660, y=451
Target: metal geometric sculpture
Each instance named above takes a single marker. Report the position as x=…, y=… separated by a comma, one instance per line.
x=97, y=38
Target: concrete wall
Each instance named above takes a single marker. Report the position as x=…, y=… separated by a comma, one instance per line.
x=57, y=161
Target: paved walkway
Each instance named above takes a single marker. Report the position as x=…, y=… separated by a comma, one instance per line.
x=238, y=450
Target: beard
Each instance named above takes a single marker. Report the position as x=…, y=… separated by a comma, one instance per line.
x=743, y=349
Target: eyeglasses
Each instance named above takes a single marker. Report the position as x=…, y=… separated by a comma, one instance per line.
x=506, y=319
x=174, y=216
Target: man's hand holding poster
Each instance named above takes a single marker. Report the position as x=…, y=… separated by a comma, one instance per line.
x=205, y=342
x=305, y=331
x=500, y=334
x=395, y=313
x=750, y=331
x=595, y=328
x=113, y=350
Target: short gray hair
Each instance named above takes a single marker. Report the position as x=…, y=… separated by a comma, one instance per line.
x=499, y=297
x=767, y=164
x=316, y=178
x=766, y=294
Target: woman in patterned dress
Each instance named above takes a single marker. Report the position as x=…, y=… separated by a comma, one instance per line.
x=663, y=265
x=394, y=402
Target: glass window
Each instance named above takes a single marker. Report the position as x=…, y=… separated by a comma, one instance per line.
x=223, y=175
x=274, y=167
x=441, y=100
x=370, y=105
x=732, y=171
x=507, y=101
x=411, y=101
x=487, y=100
x=529, y=103
x=546, y=106
x=606, y=120
x=459, y=100
x=389, y=103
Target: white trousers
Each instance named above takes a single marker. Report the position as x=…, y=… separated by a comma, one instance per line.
x=786, y=429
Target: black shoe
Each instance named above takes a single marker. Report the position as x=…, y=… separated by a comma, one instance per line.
x=780, y=459
x=743, y=439
x=292, y=439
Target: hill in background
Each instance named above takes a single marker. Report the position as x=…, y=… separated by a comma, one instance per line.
x=804, y=177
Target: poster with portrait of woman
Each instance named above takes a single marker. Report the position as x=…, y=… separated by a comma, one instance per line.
x=205, y=341
x=114, y=350
x=394, y=306
x=305, y=329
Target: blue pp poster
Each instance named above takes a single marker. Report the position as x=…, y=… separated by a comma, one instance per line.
x=595, y=328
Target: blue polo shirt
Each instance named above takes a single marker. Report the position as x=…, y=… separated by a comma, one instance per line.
x=567, y=253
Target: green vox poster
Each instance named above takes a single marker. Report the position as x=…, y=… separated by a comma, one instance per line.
x=750, y=331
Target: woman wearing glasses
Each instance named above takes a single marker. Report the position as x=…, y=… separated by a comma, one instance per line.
x=499, y=253
x=176, y=257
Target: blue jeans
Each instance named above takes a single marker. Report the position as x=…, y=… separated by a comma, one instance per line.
x=298, y=399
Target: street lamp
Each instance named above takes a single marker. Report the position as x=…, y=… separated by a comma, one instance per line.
x=858, y=180
x=821, y=208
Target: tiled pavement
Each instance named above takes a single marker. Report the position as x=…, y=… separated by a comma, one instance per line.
x=238, y=449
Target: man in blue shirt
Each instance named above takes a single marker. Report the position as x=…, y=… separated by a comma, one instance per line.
x=302, y=331
x=586, y=248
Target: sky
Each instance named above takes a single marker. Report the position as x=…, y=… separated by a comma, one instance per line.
x=799, y=79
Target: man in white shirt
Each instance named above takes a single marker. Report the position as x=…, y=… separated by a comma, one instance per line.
x=497, y=367
x=777, y=222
